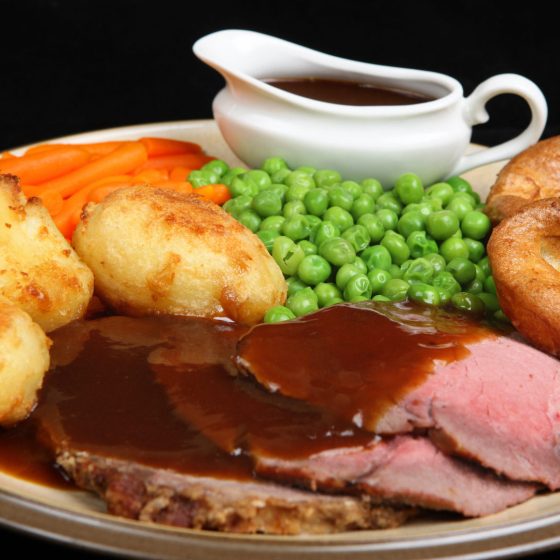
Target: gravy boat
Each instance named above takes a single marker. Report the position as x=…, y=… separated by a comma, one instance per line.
x=259, y=120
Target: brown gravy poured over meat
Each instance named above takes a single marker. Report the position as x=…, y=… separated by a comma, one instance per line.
x=159, y=391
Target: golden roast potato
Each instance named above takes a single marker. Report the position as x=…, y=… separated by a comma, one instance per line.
x=39, y=270
x=24, y=359
x=153, y=251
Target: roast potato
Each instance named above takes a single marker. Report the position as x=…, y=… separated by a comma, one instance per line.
x=39, y=270
x=24, y=359
x=153, y=251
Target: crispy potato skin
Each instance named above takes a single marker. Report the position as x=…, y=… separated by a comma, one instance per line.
x=523, y=253
x=39, y=270
x=530, y=176
x=24, y=359
x=153, y=251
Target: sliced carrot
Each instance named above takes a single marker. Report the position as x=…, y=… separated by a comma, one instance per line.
x=46, y=165
x=179, y=173
x=151, y=176
x=126, y=158
x=193, y=161
x=52, y=200
x=168, y=147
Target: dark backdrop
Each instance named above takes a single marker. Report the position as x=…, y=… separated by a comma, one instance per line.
x=72, y=66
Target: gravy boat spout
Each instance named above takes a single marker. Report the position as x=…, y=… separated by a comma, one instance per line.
x=429, y=138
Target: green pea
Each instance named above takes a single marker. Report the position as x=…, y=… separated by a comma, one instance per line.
x=297, y=192
x=490, y=285
x=446, y=285
x=460, y=207
x=420, y=244
x=424, y=293
x=333, y=301
x=418, y=270
x=217, y=166
x=266, y=204
x=358, y=237
x=443, y=191
x=344, y=273
x=201, y=177
x=295, y=285
x=388, y=202
x=409, y=188
x=452, y=248
x=475, y=224
x=378, y=278
x=337, y=251
x=353, y=188
x=479, y=275
x=250, y=220
x=340, y=217
x=437, y=262
x=389, y=218
x=327, y=177
x=325, y=292
x=373, y=225
x=267, y=236
x=395, y=271
x=363, y=205
x=475, y=286
x=411, y=221
x=316, y=201
x=281, y=175
x=308, y=247
x=381, y=298
x=324, y=231
x=272, y=223
x=300, y=178
x=376, y=256
x=396, y=245
x=295, y=228
x=501, y=316
x=442, y=225
x=287, y=255
x=258, y=177
x=339, y=197
x=303, y=302
x=238, y=187
x=306, y=169
x=357, y=287
x=314, y=269
x=228, y=176
x=293, y=207
x=372, y=187
x=239, y=204
x=279, y=189
x=278, y=313
x=476, y=249
x=359, y=263
x=484, y=264
x=470, y=303
x=273, y=164
x=459, y=184
x=490, y=301
x=395, y=289
x=462, y=269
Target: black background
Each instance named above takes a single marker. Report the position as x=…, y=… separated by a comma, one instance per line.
x=73, y=66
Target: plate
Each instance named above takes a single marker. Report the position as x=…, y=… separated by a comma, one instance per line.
x=79, y=518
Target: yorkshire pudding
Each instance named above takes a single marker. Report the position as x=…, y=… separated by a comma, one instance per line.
x=523, y=253
x=532, y=175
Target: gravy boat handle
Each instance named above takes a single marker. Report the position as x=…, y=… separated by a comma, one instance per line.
x=474, y=113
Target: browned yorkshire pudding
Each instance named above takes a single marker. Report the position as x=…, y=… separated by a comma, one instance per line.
x=524, y=252
x=530, y=176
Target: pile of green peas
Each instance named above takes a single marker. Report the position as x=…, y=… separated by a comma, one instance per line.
x=337, y=240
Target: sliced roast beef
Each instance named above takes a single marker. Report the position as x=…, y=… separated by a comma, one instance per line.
x=481, y=394
x=316, y=451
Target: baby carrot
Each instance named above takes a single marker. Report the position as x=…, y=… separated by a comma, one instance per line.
x=151, y=176
x=179, y=173
x=126, y=158
x=177, y=186
x=220, y=194
x=193, y=161
x=52, y=200
x=46, y=165
x=94, y=148
x=168, y=147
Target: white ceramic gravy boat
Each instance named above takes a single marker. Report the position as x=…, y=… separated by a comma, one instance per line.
x=430, y=138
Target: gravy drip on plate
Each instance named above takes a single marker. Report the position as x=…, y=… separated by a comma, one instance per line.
x=346, y=92
x=161, y=391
